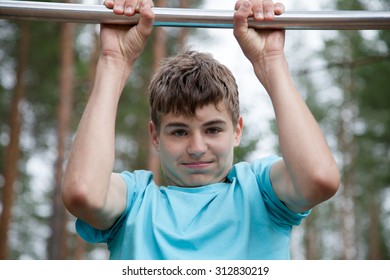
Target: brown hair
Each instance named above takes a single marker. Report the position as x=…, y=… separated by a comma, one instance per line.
x=189, y=81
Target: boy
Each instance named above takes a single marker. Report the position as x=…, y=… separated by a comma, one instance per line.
x=210, y=208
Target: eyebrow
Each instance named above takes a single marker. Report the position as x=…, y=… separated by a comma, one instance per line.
x=175, y=124
x=215, y=122
x=209, y=123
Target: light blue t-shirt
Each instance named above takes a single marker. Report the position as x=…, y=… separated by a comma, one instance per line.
x=240, y=219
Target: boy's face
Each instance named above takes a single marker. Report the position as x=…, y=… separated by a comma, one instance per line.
x=197, y=151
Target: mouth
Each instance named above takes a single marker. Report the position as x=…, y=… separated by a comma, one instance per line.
x=197, y=164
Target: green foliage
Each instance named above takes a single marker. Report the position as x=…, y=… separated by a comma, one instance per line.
x=39, y=117
x=359, y=66
x=8, y=42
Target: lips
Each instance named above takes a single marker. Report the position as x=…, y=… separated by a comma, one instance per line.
x=197, y=164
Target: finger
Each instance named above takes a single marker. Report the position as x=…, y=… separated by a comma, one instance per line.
x=240, y=19
x=258, y=10
x=137, y=6
x=119, y=7
x=145, y=24
x=130, y=7
x=109, y=4
x=279, y=8
x=127, y=7
x=268, y=9
x=238, y=4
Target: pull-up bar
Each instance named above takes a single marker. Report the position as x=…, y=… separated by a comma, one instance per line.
x=80, y=13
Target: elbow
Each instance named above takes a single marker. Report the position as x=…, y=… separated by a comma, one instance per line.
x=73, y=197
x=77, y=200
x=326, y=183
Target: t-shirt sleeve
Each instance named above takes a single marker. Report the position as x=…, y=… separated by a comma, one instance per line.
x=277, y=210
x=135, y=182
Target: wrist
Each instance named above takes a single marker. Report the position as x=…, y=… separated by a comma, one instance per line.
x=116, y=62
x=271, y=69
x=114, y=69
x=111, y=76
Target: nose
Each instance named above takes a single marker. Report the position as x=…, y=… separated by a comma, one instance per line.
x=197, y=145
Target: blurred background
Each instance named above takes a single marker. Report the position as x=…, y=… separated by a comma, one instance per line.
x=46, y=73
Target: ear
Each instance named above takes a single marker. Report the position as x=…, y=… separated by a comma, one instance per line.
x=154, y=135
x=238, y=131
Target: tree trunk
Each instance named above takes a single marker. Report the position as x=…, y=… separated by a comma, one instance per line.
x=183, y=31
x=159, y=52
x=93, y=60
x=346, y=142
x=57, y=247
x=374, y=250
x=79, y=250
x=13, y=149
x=312, y=237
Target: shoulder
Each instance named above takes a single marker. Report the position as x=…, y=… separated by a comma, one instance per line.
x=263, y=165
x=254, y=175
x=136, y=180
x=137, y=184
x=260, y=167
x=258, y=175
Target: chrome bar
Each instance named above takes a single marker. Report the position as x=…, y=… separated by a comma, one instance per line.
x=175, y=17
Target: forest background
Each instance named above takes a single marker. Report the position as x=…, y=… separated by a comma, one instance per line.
x=46, y=72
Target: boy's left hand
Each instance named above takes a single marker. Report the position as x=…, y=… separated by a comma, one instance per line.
x=258, y=45
x=126, y=7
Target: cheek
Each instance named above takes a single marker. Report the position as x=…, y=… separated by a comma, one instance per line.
x=224, y=147
x=170, y=149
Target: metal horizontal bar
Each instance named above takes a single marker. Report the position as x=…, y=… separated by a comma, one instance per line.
x=81, y=13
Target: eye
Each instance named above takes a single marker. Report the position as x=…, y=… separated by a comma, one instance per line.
x=213, y=130
x=179, y=133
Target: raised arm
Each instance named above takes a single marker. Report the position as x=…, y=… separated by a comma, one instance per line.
x=90, y=190
x=308, y=174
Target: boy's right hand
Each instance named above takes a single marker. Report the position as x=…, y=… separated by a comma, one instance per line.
x=127, y=42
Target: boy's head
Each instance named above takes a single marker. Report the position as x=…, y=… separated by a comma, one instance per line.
x=189, y=81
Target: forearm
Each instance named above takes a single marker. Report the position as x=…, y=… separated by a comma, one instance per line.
x=305, y=151
x=90, y=165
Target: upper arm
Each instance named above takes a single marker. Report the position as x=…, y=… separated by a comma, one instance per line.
x=285, y=189
x=116, y=201
x=100, y=210
x=302, y=191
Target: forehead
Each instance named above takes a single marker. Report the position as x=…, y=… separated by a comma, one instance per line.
x=204, y=114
